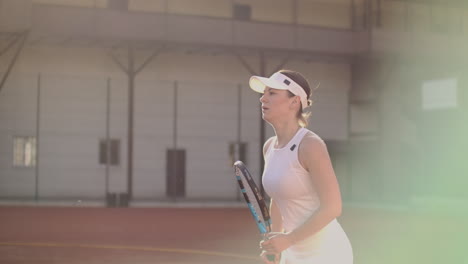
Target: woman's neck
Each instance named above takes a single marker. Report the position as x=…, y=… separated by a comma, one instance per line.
x=285, y=132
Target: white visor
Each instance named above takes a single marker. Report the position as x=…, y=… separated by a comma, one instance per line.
x=278, y=81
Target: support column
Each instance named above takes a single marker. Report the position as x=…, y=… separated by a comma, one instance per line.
x=38, y=126
x=262, y=122
x=132, y=71
x=131, y=91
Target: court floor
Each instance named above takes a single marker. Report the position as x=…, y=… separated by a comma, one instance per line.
x=211, y=235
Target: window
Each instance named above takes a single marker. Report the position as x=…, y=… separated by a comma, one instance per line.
x=112, y=151
x=440, y=94
x=242, y=12
x=24, y=151
x=175, y=173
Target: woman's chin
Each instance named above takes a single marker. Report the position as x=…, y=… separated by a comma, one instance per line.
x=266, y=117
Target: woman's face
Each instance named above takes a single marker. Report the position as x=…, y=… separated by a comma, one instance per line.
x=276, y=104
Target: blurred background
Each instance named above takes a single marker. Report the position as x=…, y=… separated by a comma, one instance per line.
x=128, y=103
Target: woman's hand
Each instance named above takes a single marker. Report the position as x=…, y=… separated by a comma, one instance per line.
x=276, y=242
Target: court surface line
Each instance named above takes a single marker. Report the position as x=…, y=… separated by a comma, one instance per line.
x=169, y=250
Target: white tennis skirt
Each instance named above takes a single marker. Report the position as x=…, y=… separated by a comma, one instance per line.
x=328, y=246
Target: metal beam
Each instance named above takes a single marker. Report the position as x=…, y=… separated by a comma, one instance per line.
x=15, y=58
x=131, y=92
x=12, y=42
x=149, y=59
x=38, y=136
x=245, y=64
x=281, y=65
x=262, y=123
x=116, y=60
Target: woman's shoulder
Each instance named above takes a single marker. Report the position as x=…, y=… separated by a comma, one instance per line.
x=312, y=150
x=311, y=137
x=311, y=143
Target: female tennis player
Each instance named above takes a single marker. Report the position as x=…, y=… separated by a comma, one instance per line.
x=299, y=178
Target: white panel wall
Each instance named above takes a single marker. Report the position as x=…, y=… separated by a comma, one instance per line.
x=17, y=118
x=330, y=111
x=153, y=135
x=207, y=123
x=72, y=121
x=330, y=108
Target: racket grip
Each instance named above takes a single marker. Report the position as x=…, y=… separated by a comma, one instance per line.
x=271, y=257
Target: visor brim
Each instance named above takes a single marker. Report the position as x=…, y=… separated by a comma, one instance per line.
x=258, y=84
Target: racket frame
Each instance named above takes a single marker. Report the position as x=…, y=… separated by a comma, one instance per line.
x=263, y=220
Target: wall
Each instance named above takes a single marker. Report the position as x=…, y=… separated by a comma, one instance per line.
x=73, y=119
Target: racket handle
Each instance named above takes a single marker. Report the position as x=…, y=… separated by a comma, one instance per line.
x=271, y=257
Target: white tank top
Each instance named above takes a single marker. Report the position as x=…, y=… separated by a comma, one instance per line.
x=292, y=189
x=288, y=183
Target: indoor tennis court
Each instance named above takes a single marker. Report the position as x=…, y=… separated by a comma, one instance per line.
x=120, y=122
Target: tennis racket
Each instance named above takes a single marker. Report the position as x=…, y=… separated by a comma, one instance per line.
x=254, y=199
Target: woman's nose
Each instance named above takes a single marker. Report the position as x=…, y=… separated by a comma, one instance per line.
x=262, y=98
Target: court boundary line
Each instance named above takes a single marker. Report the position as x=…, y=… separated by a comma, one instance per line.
x=136, y=248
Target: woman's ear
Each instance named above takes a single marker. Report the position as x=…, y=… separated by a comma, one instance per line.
x=295, y=101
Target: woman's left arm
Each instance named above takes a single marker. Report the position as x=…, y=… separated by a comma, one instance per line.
x=314, y=157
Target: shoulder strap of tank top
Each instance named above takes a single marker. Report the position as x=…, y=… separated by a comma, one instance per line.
x=270, y=147
x=297, y=139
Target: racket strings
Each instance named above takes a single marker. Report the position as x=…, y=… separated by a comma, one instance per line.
x=253, y=198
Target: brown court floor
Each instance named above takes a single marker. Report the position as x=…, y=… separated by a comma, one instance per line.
x=76, y=235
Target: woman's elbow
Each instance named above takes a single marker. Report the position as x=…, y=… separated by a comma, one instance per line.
x=338, y=210
x=335, y=211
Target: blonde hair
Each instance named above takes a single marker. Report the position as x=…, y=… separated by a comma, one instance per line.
x=302, y=116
